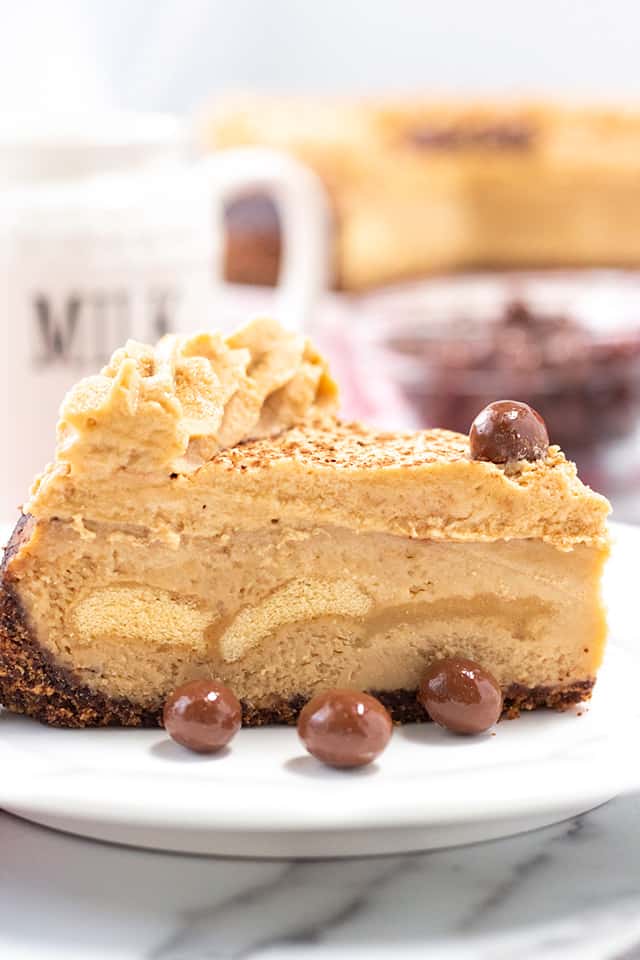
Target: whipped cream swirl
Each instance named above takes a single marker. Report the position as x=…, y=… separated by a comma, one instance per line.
x=172, y=407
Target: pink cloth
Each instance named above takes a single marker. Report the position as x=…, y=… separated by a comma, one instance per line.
x=365, y=389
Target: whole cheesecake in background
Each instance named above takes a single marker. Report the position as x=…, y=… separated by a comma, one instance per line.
x=207, y=516
x=420, y=186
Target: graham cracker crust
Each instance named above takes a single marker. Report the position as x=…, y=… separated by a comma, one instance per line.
x=32, y=684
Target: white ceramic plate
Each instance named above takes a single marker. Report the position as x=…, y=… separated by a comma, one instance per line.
x=265, y=797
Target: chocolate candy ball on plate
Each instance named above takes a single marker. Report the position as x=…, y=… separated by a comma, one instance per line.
x=506, y=431
x=345, y=728
x=459, y=695
x=202, y=715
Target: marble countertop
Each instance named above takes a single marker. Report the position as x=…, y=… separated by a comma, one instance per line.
x=571, y=890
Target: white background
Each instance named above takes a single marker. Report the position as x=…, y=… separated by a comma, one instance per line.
x=172, y=54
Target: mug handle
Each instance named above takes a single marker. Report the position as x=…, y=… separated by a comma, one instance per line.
x=305, y=222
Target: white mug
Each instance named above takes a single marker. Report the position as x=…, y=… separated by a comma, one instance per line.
x=86, y=265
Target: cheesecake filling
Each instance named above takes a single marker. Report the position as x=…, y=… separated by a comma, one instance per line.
x=279, y=613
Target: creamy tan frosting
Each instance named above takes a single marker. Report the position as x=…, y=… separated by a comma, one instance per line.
x=420, y=485
x=173, y=406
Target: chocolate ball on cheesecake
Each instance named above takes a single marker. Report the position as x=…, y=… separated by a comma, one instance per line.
x=508, y=430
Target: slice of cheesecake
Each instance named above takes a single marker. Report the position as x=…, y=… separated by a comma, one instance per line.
x=207, y=516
